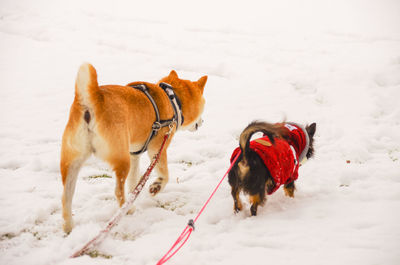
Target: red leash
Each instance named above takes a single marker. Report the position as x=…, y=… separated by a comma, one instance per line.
x=190, y=226
x=124, y=209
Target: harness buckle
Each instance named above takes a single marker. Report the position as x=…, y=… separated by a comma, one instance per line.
x=156, y=126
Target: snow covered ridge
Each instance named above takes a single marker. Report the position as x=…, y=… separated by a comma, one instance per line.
x=333, y=62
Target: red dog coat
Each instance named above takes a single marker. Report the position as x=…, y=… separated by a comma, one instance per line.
x=282, y=158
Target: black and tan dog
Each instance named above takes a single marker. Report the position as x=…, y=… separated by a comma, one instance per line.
x=113, y=122
x=267, y=163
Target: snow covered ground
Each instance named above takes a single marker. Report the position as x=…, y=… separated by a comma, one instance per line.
x=336, y=63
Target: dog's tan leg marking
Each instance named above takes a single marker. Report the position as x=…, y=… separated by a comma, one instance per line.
x=255, y=200
x=237, y=203
x=289, y=189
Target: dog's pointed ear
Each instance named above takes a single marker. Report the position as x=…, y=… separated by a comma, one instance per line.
x=173, y=74
x=202, y=82
x=311, y=129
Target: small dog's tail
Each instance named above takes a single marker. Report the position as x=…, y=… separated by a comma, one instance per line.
x=269, y=129
x=86, y=84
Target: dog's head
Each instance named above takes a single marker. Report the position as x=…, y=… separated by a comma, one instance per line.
x=311, y=132
x=190, y=93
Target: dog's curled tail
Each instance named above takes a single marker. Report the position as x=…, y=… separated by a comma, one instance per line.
x=269, y=129
x=86, y=84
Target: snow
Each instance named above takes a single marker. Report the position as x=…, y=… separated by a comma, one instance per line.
x=336, y=63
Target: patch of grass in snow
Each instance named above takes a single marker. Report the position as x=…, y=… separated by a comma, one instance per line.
x=35, y=234
x=126, y=236
x=187, y=163
x=171, y=205
x=7, y=236
x=97, y=254
x=393, y=155
x=100, y=176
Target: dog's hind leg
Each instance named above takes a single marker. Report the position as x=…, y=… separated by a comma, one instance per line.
x=74, y=152
x=237, y=203
x=255, y=200
x=69, y=176
x=121, y=168
x=289, y=189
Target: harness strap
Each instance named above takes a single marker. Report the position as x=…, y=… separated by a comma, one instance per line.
x=158, y=124
x=145, y=90
x=176, y=104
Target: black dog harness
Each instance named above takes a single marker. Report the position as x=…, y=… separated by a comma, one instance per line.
x=158, y=124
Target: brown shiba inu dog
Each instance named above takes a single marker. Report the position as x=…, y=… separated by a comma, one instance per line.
x=113, y=122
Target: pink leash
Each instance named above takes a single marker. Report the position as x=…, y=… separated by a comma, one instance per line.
x=190, y=226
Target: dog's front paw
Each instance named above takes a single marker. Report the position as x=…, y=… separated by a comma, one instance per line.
x=155, y=188
x=67, y=227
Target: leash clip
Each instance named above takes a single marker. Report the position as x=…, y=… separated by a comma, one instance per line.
x=191, y=224
x=171, y=127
